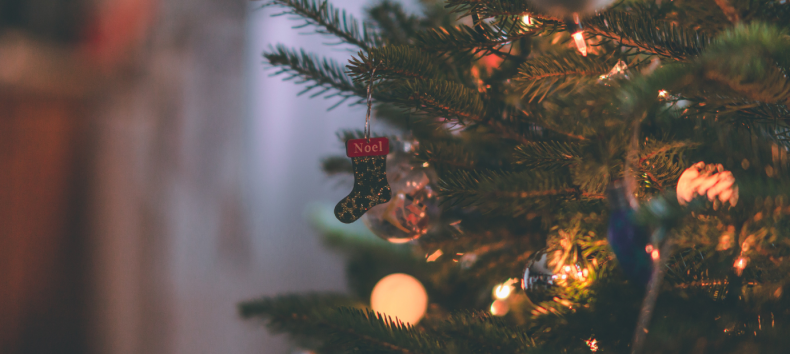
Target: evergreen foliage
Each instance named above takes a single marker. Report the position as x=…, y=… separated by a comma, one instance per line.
x=522, y=136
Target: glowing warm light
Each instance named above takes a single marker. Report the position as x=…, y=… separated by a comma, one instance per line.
x=400, y=295
x=663, y=93
x=499, y=308
x=581, y=45
x=740, y=265
x=527, y=20
x=654, y=255
x=649, y=248
x=593, y=344
x=502, y=291
x=434, y=256
x=585, y=272
x=567, y=268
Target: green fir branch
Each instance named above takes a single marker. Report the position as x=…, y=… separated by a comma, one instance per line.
x=441, y=98
x=548, y=154
x=638, y=28
x=330, y=21
x=566, y=72
x=325, y=75
x=339, y=328
x=394, y=63
x=464, y=41
x=479, y=332
x=445, y=155
x=393, y=23
x=516, y=192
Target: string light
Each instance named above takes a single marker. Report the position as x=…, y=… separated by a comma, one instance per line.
x=527, y=20
x=740, y=265
x=578, y=35
x=502, y=291
x=654, y=255
x=499, y=308
x=663, y=93
x=593, y=344
x=434, y=256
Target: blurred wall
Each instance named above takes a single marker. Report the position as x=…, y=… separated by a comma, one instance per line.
x=153, y=175
x=205, y=166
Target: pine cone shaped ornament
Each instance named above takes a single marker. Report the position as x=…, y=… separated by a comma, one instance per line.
x=707, y=180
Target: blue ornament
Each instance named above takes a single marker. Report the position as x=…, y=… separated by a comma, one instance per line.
x=628, y=238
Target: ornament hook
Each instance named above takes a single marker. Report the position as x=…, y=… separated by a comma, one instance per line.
x=370, y=102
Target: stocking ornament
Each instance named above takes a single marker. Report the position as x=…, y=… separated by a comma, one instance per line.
x=369, y=162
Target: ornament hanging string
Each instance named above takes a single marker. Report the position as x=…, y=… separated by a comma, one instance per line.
x=370, y=102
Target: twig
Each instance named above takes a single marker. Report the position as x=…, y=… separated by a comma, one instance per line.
x=649, y=303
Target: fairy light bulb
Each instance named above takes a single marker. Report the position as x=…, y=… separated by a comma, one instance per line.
x=581, y=45
x=527, y=20
x=655, y=255
x=574, y=26
x=499, y=308
x=593, y=344
x=740, y=265
x=502, y=291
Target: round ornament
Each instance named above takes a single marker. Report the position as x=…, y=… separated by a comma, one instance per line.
x=407, y=215
x=538, y=278
x=400, y=295
x=566, y=8
x=546, y=270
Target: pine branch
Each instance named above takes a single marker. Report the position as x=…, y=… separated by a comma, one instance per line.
x=662, y=163
x=478, y=332
x=568, y=72
x=517, y=192
x=394, y=62
x=323, y=74
x=330, y=21
x=339, y=328
x=443, y=99
x=336, y=165
x=547, y=154
x=758, y=73
x=464, y=41
x=393, y=23
x=638, y=28
x=445, y=155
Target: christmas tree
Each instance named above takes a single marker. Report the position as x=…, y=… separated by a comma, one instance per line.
x=566, y=177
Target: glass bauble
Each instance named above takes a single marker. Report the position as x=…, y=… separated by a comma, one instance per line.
x=407, y=215
x=538, y=279
x=545, y=271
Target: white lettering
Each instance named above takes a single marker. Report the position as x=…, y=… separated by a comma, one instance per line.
x=367, y=148
x=357, y=147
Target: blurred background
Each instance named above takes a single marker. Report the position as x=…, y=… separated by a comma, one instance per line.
x=153, y=175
